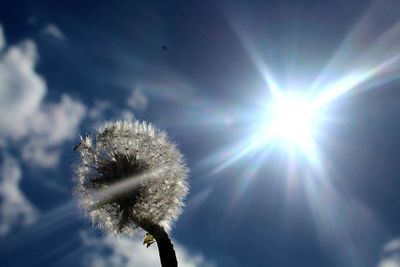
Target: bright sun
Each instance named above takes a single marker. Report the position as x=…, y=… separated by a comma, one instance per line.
x=292, y=120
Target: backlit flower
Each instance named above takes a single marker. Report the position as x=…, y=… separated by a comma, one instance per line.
x=130, y=175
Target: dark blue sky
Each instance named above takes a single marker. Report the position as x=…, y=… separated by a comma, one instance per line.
x=105, y=60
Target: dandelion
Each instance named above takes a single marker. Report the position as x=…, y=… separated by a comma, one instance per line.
x=131, y=176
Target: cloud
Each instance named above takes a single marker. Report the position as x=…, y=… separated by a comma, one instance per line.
x=32, y=20
x=98, y=110
x=126, y=115
x=54, y=124
x=104, y=110
x=15, y=209
x=390, y=262
x=390, y=256
x=35, y=127
x=137, y=100
x=121, y=252
x=2, y=39
x=53, y=31
x=21, y=89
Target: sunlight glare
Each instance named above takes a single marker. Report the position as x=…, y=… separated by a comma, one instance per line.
x=292, y=121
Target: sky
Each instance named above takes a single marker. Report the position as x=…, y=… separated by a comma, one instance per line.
x=208, y=73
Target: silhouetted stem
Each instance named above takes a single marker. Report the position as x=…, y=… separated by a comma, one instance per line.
x=165, y=246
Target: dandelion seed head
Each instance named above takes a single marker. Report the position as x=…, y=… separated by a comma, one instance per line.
x=130, y=172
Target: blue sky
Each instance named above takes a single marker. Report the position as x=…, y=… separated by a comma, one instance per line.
x=66, y=67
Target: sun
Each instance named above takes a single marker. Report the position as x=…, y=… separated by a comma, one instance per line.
x=292, y=120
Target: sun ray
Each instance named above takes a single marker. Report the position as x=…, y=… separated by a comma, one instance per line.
x=368, y=56
x=48, y=223
x=255, y=56
x=344, y=85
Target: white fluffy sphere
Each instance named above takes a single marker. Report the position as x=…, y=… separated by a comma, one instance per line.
x=130, y=174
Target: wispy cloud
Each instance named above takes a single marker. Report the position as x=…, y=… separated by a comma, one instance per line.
x=126, y=115
x=2, y=39
x=53, y=31
x=15, y=209
x=390, y=256
x=54, y=124
x=105, y=110
x=131, y=252
x=137, y=100
x=98, y=110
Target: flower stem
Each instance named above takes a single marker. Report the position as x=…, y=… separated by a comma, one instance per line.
x=165, y=247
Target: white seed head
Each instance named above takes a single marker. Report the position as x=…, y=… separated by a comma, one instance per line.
x=130, y=172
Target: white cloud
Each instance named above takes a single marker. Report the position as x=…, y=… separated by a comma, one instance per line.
x=53, y=31
x=2, y=39
x=35, y=127
x=105, y=110
x=137, y=100
x=49, y=128
x=391, y=262
x=15, y=209
x=126, y=115
x=392, y=246
x=21, y=89
x=131, y=252
x=390, y=254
